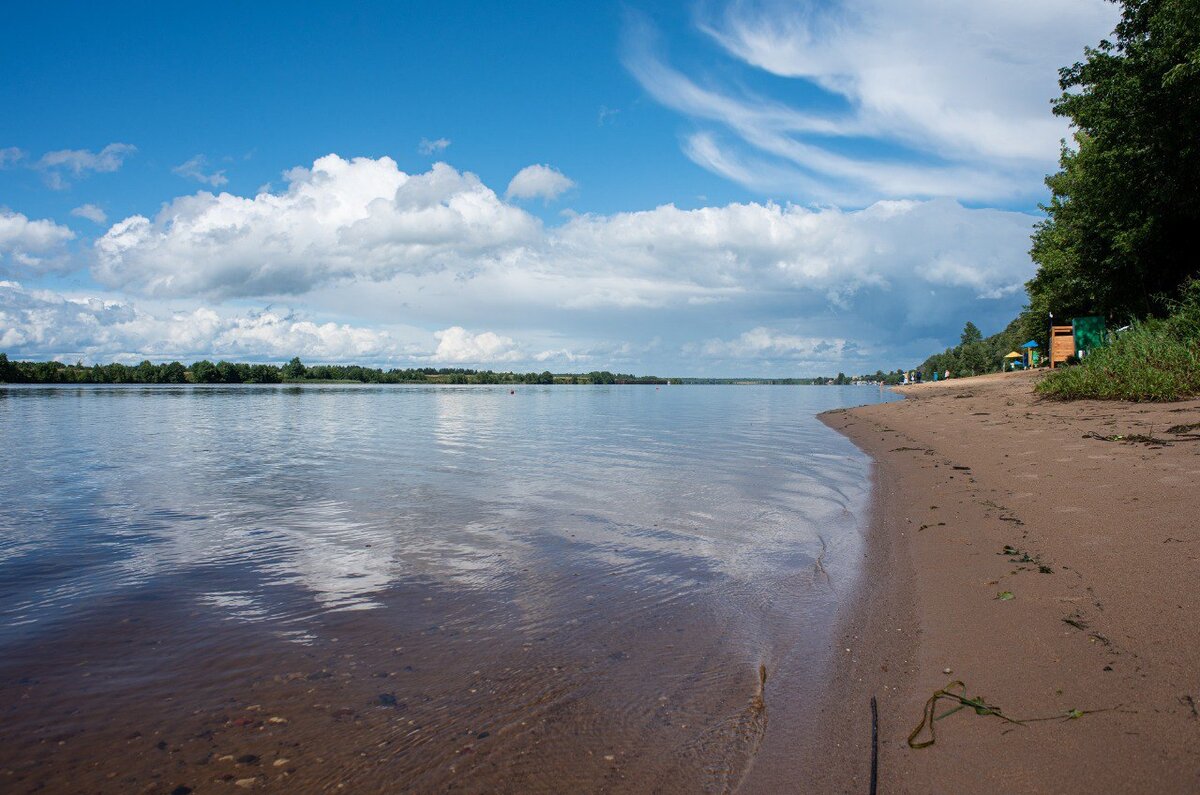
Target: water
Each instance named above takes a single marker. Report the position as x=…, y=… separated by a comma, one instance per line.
x=565, y=588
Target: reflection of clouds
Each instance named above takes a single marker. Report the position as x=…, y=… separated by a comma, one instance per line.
x=270, y=503
x=467, y=418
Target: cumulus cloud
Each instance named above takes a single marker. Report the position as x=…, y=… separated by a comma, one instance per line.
x=719, y=252
x=56, y=166
x=91, y=212
x=538, y=181
x=365, y=220
x=195, y=168
x=99, y=327
x=340, y=219
x=938, y=84
x=457, y=345
x=362, y=238
x=765, y=343
x=31, y=246
x=40, y=322
x=428, y=147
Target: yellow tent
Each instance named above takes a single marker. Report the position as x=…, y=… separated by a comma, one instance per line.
x=1012, y=358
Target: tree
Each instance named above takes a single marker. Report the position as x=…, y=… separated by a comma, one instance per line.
x=174, y=373
x=8, y=371
x=970, y=333
x=294, y=369
x=229, y=372
x=205, y=372
x=1119, y=234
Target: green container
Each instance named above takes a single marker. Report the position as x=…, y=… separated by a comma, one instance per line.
x=1089, y=334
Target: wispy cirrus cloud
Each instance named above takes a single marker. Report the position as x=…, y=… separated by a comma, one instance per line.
x=196, y=168
x=432, y=147
x=61, y=166
x=10, y=156
x=913, y=100
x=91, y=212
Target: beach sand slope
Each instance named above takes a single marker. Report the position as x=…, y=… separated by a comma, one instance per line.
x=983, y=491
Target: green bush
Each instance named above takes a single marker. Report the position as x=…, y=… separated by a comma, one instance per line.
x=1153, y=360
x=1145, y=363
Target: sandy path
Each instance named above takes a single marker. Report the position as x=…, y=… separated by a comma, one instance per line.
x=1104, y=614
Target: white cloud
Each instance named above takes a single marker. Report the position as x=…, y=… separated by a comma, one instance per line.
x=40, y=322
x=428, y=147
x=99, y=327
x=538, y=181
x=31, y=246
x=935, y=93
x=762, y=342
x=91, y=212
x=723, y=251
x=194, y=168
x=10, y=156
x=360, y=238
x=444, y=236
x=456, y=345
x=341, y=219
x=79, y=162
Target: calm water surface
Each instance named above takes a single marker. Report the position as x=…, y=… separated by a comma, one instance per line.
x=328, y=587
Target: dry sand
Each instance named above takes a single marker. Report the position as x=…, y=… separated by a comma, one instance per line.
x=1108, y=539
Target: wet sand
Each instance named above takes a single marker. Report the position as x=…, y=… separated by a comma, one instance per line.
x=420, y=696
x=983, y=490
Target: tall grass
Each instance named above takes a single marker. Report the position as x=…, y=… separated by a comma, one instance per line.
x=1156, y=360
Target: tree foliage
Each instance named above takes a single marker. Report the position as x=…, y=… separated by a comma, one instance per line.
x=975, y=354
x=206, y=372
x=1120, y=234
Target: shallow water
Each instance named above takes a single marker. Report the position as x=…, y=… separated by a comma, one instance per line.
x=425, y=588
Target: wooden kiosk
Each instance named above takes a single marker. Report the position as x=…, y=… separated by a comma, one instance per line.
x=1062, y=344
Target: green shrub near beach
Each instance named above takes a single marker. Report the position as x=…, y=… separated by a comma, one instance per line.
x=1154, y=360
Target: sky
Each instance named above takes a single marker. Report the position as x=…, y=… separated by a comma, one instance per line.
x=694, y=189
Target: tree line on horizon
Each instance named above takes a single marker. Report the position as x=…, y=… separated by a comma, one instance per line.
x=224, y=372
x=295, y=371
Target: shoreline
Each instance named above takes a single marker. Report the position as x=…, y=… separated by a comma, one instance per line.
x=980, y=490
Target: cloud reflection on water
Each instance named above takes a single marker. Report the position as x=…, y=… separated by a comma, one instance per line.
x=273, y=504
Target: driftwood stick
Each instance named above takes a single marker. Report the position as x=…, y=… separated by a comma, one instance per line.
x=874, y=746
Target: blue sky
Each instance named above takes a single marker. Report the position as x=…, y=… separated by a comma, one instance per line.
x=743, y=188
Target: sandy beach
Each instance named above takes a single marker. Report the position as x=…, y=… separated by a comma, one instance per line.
x=1017, y=545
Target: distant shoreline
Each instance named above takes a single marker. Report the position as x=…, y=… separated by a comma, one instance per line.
x=349, y=382
x=295, y=371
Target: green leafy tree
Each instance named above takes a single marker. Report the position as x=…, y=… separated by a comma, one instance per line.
x=205, y=372
x=174, y=373
x=8, y=371
x=294, y=369
x=1119, y=236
